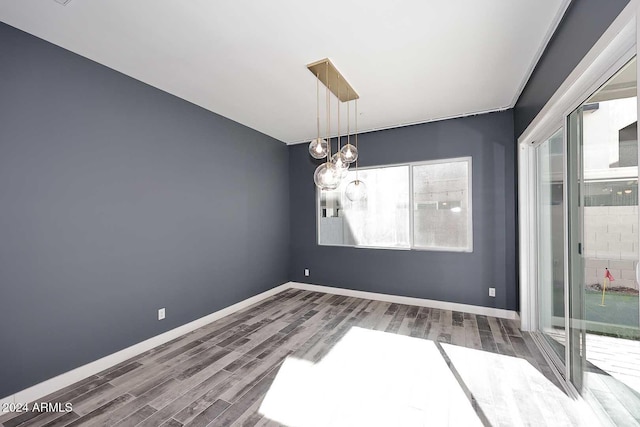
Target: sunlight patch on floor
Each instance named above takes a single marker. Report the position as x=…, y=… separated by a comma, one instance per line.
x=370, y=378
x=619, y=357
x=510, y=391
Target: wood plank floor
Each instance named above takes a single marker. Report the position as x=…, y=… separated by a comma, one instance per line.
x=220, y=374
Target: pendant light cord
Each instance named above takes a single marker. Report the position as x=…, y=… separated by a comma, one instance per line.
x=357, y=141
x=318, y=105
x=348, y=119
x=338, y=98
x=328, y=115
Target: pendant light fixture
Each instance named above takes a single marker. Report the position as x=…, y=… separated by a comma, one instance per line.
x=329, y=174
x=356, y=190
x=349, y=151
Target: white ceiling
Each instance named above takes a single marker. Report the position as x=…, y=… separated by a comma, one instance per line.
x=410, y=61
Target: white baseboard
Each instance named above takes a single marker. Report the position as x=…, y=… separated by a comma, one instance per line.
x=49, y=386
x=443, y=305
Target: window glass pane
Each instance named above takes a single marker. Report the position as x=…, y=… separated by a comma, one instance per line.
x=380, y=220
x=441, y=214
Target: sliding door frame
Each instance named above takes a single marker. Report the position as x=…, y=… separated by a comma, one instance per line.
x=616, y=47
x=559, y=363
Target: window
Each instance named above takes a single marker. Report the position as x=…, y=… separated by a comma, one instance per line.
x=423, y=205
x=382, y=220
x=441, y=205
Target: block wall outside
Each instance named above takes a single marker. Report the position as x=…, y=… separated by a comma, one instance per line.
x=611, y=241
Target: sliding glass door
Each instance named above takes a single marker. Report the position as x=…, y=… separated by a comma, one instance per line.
x=586, y=247
x=579, y=216
x=550, y=244
x=603, y=246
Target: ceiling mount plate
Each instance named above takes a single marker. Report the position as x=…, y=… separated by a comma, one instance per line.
x=329, y=75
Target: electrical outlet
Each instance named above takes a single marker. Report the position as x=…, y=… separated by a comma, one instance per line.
x=492, y=292
x=306, y=272
x=161, y=314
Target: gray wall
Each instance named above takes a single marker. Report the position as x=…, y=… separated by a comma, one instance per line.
x=117, y=199
x=581, y=27
x=446, y=276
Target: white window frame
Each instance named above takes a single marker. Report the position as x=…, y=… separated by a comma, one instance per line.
x=412, y=246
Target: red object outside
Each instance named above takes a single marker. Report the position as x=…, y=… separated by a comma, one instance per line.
x=608, y=275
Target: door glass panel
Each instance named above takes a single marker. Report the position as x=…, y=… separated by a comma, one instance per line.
x=550, y=253
x=576, y=333
x=604, y=332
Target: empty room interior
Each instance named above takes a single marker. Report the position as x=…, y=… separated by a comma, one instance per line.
x=244, y=213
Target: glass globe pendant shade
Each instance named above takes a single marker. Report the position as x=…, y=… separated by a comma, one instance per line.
x=350, y=153
x=318, y=148
x=356, y=191
x=340, y=161
x=327, y=176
